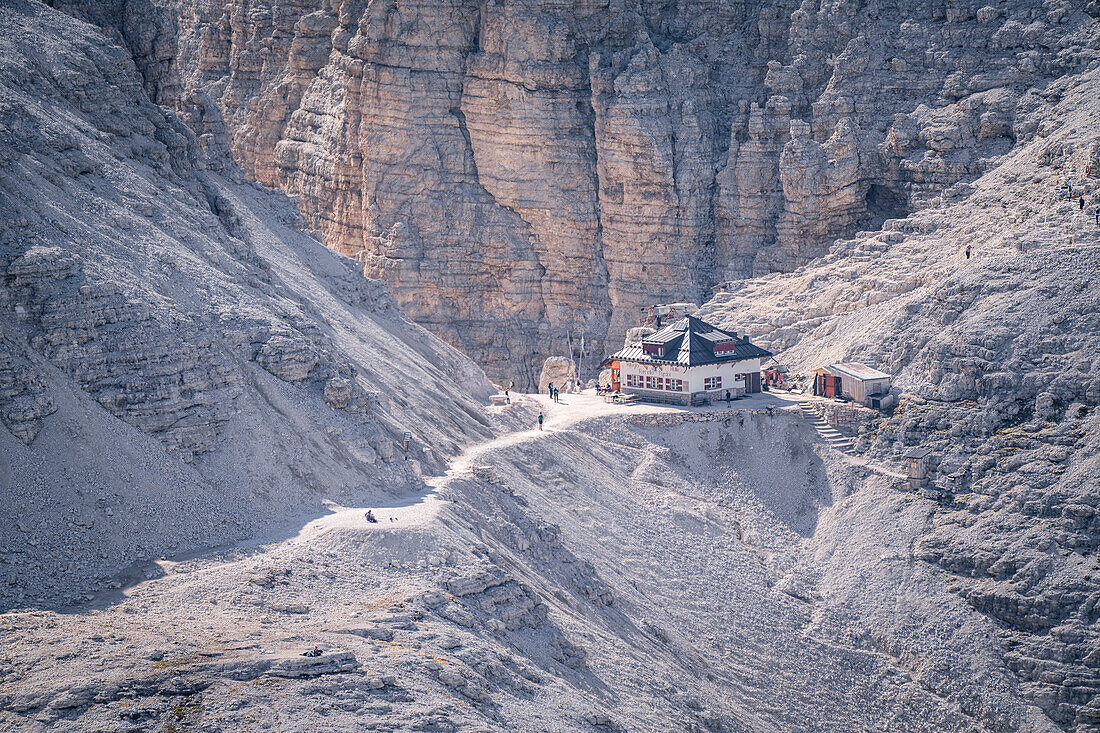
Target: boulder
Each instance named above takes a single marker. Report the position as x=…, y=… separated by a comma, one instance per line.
x=561, y=371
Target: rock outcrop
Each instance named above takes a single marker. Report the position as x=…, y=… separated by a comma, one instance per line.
x=560, y=372
x=983, y=308
x=519, y=171
x=24, y=400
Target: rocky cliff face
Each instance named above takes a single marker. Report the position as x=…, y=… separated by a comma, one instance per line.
x=520, y=171
x=984, y=307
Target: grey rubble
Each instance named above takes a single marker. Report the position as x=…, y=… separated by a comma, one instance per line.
x=207, y=369
x=169, y=334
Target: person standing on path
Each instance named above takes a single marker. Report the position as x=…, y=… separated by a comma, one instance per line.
x=727, y=399
x=550, y=389
x=1081, y=203
x=540, y=419
x=968, y=251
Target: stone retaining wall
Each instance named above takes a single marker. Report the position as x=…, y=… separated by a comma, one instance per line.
x=672, y=419
x=847, y=417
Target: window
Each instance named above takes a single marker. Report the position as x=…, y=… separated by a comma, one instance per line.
x=710, y=383
x=666, y=384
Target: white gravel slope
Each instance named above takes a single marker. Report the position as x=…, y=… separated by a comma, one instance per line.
x=180, y=366
x=674, y=576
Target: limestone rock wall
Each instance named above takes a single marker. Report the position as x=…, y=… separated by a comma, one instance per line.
x=522, y=170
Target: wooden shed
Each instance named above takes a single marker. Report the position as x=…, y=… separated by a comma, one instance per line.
x=858, y=382
x=917, y=462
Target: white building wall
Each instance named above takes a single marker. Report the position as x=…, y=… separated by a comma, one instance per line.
x=645, y=370
x=726, y=371
x=694, y=377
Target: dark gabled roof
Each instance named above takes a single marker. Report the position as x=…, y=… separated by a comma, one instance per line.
x=690, y=342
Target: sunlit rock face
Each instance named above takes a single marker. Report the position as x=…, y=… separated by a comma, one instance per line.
x=521, y=171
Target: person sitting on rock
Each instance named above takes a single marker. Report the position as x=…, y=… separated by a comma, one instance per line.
x=370, y=517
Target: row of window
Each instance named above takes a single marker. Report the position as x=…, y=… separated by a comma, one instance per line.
x=710, y=383
x=648, y=382
x=675, y=385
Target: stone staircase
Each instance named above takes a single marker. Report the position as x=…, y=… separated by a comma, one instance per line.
x=828, y=433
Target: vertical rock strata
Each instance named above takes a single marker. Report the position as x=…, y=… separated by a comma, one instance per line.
x=525, y=170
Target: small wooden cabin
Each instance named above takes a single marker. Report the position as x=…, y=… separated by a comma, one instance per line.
x=917, y=462
x=858, y=382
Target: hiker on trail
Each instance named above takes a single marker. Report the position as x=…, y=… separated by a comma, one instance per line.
x=555, y=394
x=968, y=251
x=550, y=388
x=1081, y=203
x=727, y=399
x=1098, y=217
x=540, y=419
x=370, y=517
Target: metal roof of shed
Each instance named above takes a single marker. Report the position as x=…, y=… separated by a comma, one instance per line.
x=858, y=371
